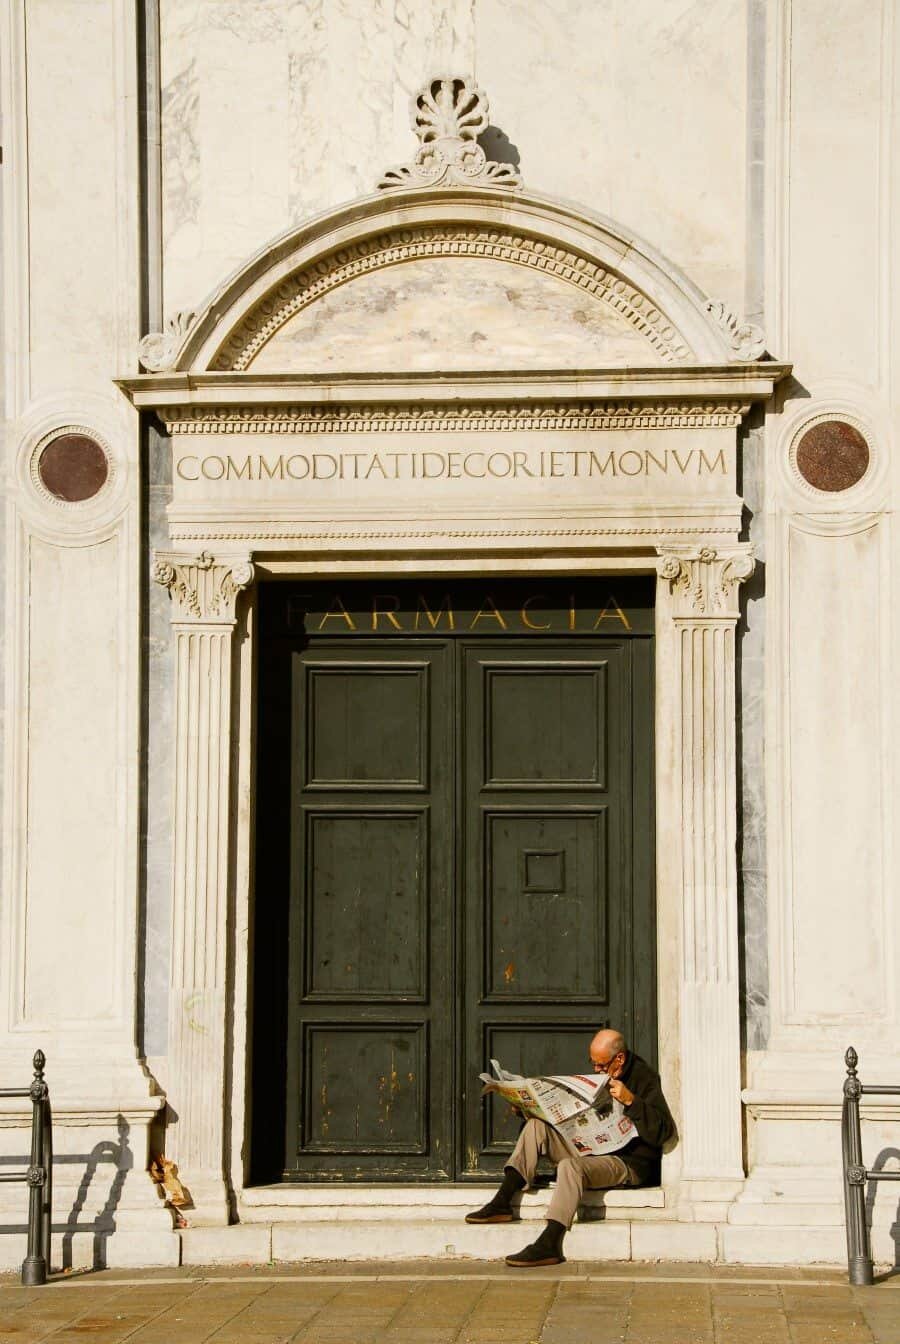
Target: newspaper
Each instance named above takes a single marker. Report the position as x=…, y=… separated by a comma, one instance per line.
x=578, y=1106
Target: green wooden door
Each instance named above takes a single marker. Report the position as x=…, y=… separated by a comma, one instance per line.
x=455, y=863
x=548, y=843
x=371, y=912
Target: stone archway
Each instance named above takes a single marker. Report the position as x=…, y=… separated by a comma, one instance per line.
x=378, y=458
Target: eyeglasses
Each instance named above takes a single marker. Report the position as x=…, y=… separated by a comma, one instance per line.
x=602, y=1066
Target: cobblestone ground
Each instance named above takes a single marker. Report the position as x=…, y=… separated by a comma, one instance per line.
x=452, y=1304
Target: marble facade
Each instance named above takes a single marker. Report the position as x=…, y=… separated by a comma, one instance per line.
x=304, y=348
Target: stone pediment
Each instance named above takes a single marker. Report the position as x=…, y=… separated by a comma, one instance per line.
x=452, y=277
x=452, y=266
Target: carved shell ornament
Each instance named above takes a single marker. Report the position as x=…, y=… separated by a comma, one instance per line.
x=448, y=115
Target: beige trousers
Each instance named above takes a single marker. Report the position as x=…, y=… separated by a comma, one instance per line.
x=573, y=1173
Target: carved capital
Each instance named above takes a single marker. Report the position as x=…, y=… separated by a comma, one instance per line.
x=448, y=116
x=203, y=588
x=704, y=582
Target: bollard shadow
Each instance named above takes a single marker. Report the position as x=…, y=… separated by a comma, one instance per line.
x=103, y=1224
x=109, y=1161
x=884, y=1157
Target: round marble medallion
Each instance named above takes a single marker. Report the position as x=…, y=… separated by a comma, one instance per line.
x=73, y=468
x=832, y=455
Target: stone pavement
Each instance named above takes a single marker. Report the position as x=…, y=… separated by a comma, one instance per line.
x=452, y=1303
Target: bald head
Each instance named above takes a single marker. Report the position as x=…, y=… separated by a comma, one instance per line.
x=607, y=1052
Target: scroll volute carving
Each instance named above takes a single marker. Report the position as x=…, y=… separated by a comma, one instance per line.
x=705, y=582
x=203, y=588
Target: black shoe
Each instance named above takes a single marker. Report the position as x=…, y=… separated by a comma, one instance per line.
x=499, y=1209
x=533, y=1256
x=494, y=1212
x=547, y=1250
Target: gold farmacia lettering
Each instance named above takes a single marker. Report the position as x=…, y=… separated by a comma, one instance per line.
x=337, y=612
x=526, y=619
x=434, y=617
x=612, y=612
x=488, y=611
x=386, y=605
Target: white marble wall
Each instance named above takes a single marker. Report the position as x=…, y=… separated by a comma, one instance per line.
x=275, y=111
x=832, y=563
x=71, y=840
x=833, y=559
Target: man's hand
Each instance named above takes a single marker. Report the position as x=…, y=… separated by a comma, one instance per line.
x=620, y=1092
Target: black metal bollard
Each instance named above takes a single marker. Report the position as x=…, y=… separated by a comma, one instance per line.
x=34, y=1266
x=859, y=1256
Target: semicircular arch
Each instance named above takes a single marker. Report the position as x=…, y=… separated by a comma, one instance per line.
x=665, y=319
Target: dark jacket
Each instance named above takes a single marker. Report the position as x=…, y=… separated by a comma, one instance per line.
x=651, y=1118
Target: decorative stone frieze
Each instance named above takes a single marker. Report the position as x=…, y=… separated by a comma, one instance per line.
x=204, y=592
x=703, y=584
x=747, y=340
x=423, y=418
x=448, y=116
x=158, y=350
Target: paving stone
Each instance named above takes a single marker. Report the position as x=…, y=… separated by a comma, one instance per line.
x=275, y=1308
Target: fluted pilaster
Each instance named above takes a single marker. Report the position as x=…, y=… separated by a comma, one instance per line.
x=703, y=589
x=204, y=593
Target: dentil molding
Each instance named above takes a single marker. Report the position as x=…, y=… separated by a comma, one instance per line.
x=435, y=418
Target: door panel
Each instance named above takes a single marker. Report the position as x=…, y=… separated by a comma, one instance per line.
x=547, y=859
x=545, y=906
x=367, y=905
x=366, y=725
x=545, y=725
x=371, y=1024
x=365, y=1089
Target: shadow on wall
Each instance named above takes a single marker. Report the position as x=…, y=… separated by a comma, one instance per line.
x=105, y=1169
x=498, y=147
x=886, y=1156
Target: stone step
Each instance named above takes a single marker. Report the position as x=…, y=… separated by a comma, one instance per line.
x=394, y=1203
x=439, y=1239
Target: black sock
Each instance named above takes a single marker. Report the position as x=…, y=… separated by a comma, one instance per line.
x=511, y=1183
x=551, y=1239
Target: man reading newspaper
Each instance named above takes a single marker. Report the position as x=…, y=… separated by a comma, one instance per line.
x=614, y=1138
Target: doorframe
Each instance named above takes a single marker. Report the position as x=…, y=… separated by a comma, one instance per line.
x=640, y=782
x=695, y=806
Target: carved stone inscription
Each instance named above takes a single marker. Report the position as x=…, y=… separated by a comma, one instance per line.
x=555, y=464
x=420, y=468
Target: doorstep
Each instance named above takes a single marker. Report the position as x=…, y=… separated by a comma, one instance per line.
x=344, y=1202
x=442, y=1239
